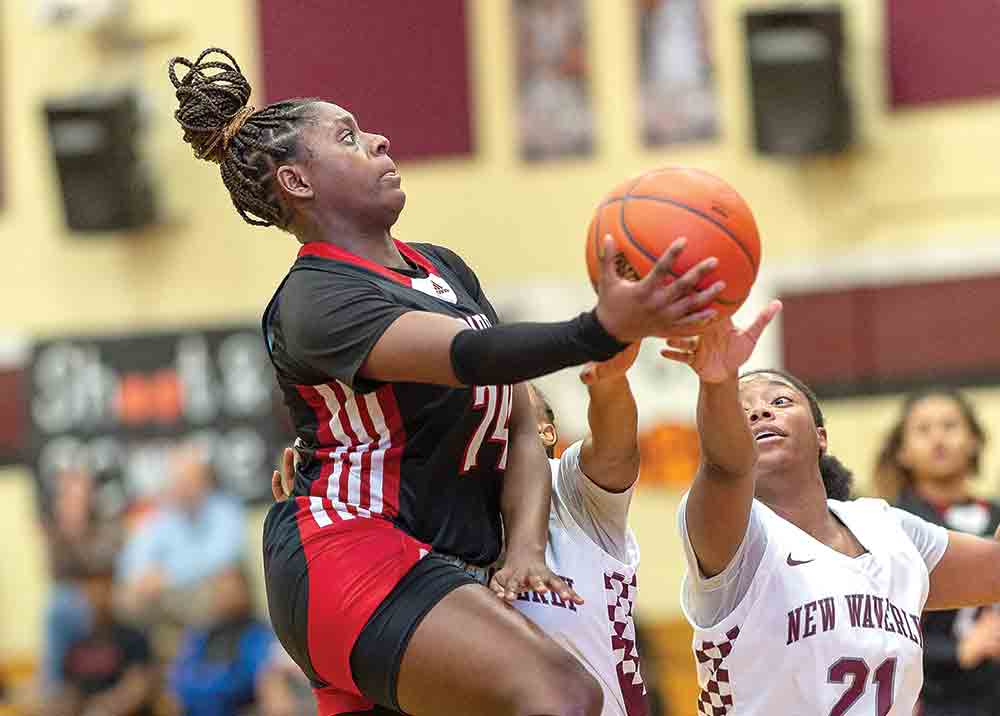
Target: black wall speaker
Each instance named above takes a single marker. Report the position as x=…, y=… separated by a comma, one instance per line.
x=96, y=143
x=800, y=104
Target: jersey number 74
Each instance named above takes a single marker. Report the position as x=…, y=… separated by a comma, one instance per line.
x=495, y=401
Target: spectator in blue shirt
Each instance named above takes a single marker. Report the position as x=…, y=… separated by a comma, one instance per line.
x=197, y=532
x=218, y=666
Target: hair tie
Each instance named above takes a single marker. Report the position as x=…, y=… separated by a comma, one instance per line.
x=226, y=134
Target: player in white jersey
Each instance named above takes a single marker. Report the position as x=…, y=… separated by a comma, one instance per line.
x=590, y=544
x=801, y=604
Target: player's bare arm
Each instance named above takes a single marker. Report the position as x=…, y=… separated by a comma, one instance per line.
x=422, y=347
x=968, y=574
x=525, y=504
x=718, y=507
x=609, y=455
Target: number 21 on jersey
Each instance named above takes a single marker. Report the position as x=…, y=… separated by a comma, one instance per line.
x=856, y=672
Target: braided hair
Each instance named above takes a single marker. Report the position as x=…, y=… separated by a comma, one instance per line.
x=247, y=144
x=837, y=478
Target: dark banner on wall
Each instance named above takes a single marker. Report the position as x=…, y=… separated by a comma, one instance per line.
x=402, y=68
x=941, y=51
x=116, y=406
x=894, y=337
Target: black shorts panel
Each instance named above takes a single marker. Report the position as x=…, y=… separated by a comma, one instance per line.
x=378, y=652
x=286, y=579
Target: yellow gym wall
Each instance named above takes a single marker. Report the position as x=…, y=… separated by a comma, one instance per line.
x=914, y=176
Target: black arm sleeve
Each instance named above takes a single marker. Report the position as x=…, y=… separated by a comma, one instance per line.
x=518, y=352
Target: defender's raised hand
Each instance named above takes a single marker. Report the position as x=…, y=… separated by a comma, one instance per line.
x=719, y=352
x=657, y=304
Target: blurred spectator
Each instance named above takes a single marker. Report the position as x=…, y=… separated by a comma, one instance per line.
x=282, y=689
x=77, y=542
x=217, y=669
x=928, y=460
x=109, y=671
x=197, y=532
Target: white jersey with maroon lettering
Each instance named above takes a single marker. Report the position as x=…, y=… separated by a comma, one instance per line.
x=600, y=632
x=816, y=632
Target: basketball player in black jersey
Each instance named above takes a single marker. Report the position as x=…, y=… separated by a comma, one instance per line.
x=419, y=438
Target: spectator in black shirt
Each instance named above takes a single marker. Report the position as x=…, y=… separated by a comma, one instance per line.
x=110, y=671
x=928, y=462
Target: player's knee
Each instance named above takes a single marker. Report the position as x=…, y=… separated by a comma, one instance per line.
x=563, y=688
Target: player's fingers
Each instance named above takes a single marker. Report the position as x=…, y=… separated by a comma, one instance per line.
x=517, y=582
x=664, y=265
x=288, y=470
x=699, y=319
x=565, y=592
x=606, y=254
x=683, y=344
x=692, y=277
x=538, y=584
x=276, y=487
x=498, y=584
x=700, y=299
x=763, y=318
x=680, y=305
x=588, y=374
x=679, y=356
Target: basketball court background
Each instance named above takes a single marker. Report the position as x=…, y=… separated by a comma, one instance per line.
x=914, y=201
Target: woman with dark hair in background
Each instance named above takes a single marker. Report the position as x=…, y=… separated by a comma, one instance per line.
x=928, y=461
x=419, y=447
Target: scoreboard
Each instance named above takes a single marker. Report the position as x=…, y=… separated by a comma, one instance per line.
x=117, y=405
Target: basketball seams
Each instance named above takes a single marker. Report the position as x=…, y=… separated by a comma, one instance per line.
x=628, y=232
x=697, y=212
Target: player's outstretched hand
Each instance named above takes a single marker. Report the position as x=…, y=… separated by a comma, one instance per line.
x=283, y=481
x=656, y=305
x=612, y=368
x=530, y=575
x=717, y=354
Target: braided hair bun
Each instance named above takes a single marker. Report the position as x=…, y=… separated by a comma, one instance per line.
x=212, y=95
x=219, y=123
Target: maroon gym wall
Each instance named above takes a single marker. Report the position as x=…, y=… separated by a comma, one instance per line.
x=402, y=68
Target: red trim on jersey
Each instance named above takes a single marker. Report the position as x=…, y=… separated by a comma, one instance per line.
x=324, y=435
x=320, y=410
x=327, y=250
x=391, y=466
x=361, y=443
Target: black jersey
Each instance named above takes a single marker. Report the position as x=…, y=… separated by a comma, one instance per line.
x=429, y=458
x=948, y=688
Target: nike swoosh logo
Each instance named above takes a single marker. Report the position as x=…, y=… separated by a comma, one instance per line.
x=795, y=562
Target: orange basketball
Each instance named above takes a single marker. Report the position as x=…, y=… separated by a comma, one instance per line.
x=647, y=213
